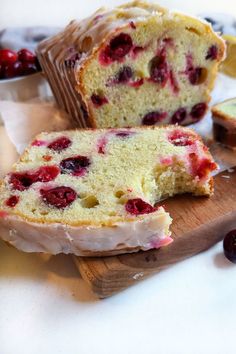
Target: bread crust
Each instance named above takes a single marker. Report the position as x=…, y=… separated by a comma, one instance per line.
x=219, y=116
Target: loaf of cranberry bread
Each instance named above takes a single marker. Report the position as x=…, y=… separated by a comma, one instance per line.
x=138, y=64
x=224, y=123
x=94, y=192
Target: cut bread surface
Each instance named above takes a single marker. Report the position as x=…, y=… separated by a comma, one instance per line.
x=104, y=169
x=138, y=64
x=99, y=188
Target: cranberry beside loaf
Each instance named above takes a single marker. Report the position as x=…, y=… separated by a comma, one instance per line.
x=94, y=192
x=138, y=64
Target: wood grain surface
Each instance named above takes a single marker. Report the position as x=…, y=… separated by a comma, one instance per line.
x=198, y=223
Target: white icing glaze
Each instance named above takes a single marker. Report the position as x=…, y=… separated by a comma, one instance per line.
x=143, y=233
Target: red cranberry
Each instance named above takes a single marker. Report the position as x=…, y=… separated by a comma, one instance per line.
x=159, y=70
x=47, y=157
x=124, y=134
x=13, y=70
x=20, y=181
x=23, y=180
x=204, y=167
x=12, y=201
x=179, y=116
x=101, y=145
x=59, y=197
x=125, y=74
x=118, y=48
x=136, y=83
x=229, y=245
x=26, y=55
x=60, y=144
x=98, y=101
x=136, y=50
x=132, y=25
x=7, y=56
x=38, y=143
x=72, y=59
x=179, y=138
x=75, y=165
x=169, y=42
x=200, y=167
x=154, y=117
x=29, y=68
x=199, y=110
x=138, y=206
x=212, y=53
x=195, y=76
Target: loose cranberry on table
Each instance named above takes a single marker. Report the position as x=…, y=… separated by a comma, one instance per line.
x=229, y=245
x=15, y=64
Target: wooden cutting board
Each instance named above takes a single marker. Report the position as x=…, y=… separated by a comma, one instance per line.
x=198, y=223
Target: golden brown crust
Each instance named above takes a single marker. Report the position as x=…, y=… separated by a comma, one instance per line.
x=217, y=113
x=225, y=135
x=211, y=185
x=82, y=71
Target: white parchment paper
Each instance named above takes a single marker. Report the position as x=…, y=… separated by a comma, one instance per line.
x=25, y=120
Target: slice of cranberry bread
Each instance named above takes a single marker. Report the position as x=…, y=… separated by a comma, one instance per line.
x=138, y=64
x=224, y=123
x=94, y=192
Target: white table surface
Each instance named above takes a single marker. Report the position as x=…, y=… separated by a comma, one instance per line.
x=45, y=306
